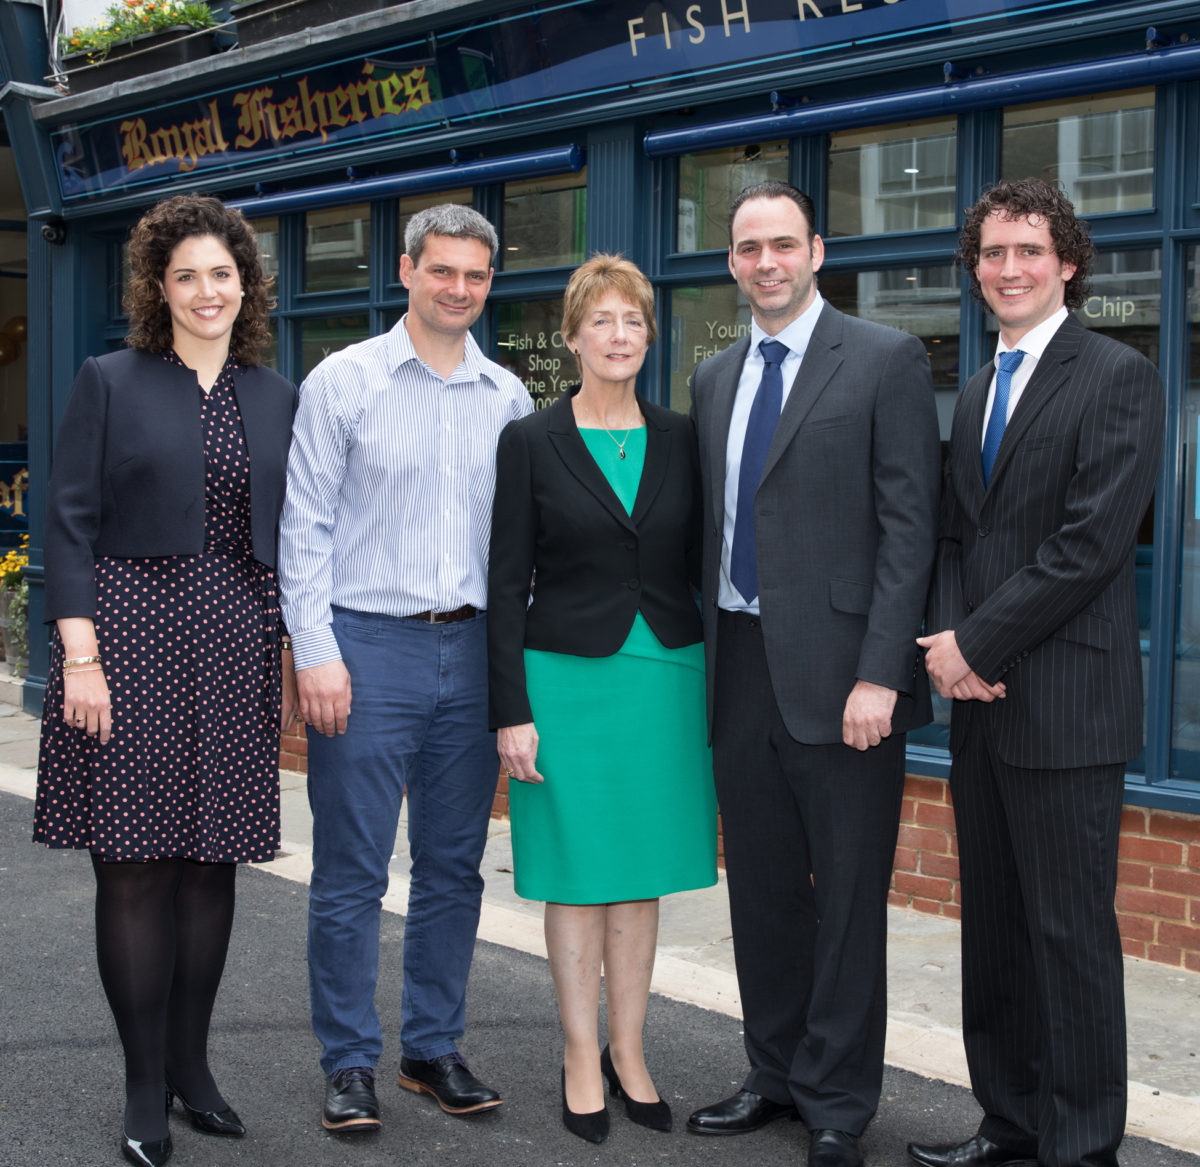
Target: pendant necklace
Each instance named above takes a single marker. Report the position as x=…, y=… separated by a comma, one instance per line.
x=620, y=444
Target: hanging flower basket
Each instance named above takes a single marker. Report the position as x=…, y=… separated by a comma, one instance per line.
x=144, y=54
x=263, y=20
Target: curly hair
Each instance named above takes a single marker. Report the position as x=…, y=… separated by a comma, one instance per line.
x=152, y=243
x=593, y=280
x=1031, y=198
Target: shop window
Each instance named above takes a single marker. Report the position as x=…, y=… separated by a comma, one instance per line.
x=529, y=344
x=544, y=222
x=1185, y=729
x=266, y=232
x=270, y=354
x=411, y=204
x=704, y=320
x=1100, y=149
x=320, y=337
x=709, y=182
x=886, y=179
x=337, y=249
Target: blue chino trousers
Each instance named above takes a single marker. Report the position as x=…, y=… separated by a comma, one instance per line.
x=418, y=723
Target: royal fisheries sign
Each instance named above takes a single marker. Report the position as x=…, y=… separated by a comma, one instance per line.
x=516, y=62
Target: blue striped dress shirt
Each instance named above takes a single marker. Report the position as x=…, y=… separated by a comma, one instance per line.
x=389, y=487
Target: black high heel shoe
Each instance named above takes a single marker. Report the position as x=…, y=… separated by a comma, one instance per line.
x=592, y=1126
x=655, y=1115
x=150, y=1153
x=209, y=1122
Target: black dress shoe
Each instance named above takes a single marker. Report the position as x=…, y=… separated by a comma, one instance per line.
x=828, y=1148
x=447, y=1078
x=146, y=1153
x=209, y=1122
x=592, y=1125
x=655, y=1115
x=975, y=1152
x=744, y=1112
x=350, y=1103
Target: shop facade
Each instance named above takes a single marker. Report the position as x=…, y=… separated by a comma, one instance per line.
x=621, y=126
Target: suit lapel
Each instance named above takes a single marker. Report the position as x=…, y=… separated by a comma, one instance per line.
x=654, y=468
x=726, y=376
x=1049, y=376
x=569, y=445
x=821, y=362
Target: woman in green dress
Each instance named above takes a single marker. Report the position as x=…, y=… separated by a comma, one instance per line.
x=597, y=682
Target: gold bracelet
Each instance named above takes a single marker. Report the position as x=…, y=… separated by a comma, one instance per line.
x=285, y=643
x=81, y=660
x=72, y=672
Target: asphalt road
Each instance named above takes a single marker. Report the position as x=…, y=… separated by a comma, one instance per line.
x=60, y=1064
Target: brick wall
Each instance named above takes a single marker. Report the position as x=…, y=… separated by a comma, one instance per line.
x=1158, y=875
x=1158, y=878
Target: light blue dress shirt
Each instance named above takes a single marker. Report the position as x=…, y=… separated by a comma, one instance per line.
x=389, y=488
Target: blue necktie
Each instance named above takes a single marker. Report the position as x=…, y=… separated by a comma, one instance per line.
x=760, y=429
x=999, y=415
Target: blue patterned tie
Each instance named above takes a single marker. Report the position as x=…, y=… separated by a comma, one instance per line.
x=999, y=415
x=760, y=429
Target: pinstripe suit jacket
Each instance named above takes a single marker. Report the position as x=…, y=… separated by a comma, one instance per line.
x=1035, y=570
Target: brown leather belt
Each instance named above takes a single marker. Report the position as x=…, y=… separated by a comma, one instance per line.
x=466, y=612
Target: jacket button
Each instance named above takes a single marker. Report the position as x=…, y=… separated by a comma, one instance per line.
x=634, y=584
x=983, y=532
x=630, y=545
x=970, y=606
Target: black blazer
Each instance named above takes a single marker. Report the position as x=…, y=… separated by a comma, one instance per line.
x=554, y=512
x=128, y=475
x=1035, y=570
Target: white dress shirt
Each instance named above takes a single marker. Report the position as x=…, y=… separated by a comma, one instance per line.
x=1032, y=344
x=796, y=336
x=389, y=488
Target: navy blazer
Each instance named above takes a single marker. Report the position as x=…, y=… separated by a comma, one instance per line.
x=128, y=474
x=597, y=565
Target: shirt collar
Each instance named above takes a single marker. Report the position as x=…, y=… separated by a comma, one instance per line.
x=1034, y=342
x=796, y=335
x=473, y=367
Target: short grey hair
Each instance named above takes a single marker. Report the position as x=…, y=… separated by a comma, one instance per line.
x=451, y=219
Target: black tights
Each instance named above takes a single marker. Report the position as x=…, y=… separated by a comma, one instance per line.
x=162, y=931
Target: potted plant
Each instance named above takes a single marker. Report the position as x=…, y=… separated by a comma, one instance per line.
x=135, y=37
x=14, y=607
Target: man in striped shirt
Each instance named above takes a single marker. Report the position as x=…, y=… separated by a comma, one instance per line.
x=383, y=568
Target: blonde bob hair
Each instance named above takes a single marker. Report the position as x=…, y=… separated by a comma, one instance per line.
x=594, y=280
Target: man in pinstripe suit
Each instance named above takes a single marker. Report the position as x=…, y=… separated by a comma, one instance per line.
x=1034, y=632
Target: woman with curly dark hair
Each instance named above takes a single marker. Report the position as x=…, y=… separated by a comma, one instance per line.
x=170, y=676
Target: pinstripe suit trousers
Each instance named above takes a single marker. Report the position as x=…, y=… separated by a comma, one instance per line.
x=1043, y=980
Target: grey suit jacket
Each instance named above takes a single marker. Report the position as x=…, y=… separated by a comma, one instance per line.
x=1035, y=570
x=845, y=519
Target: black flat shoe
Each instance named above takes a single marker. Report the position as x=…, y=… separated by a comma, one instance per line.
x=655, y=1115
x=350, y=1103
x=209, y=1122
x=592, y=1126
x=978, y=1151
x=830, y=1148
x=449, y=1080
x=744, y=1112
x=151, y=1153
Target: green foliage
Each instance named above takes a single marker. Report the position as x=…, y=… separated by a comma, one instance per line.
x=126, y=19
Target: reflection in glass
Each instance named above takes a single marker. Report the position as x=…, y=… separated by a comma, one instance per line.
x=411, y=204
x=709, y=182
x=266, y=232
x=325, y=335
x=529, y=344
x=1185, y=729
x=270, y=355
x=1100, y=149
x=337, y=248
x=885, y=179
x=545, y=222
x=704, y=320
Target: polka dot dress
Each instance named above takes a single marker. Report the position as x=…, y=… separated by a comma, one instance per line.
x=192, y=663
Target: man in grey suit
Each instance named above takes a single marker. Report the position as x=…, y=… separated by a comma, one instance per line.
x=819, y=454
x=1034, y=631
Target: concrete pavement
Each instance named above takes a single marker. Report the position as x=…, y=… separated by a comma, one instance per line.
x=694, y=967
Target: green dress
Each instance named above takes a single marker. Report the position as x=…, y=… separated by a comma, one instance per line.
x=628, y=810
